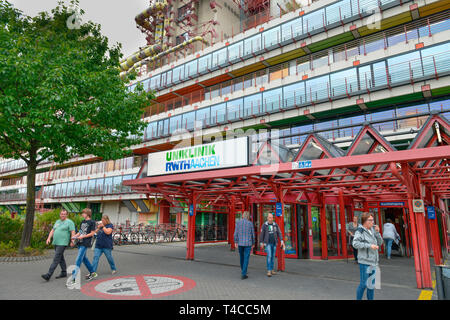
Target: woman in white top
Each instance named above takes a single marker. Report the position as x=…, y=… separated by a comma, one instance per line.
x=389, y=235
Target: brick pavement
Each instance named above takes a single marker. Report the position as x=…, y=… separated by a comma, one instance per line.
x=217, y=275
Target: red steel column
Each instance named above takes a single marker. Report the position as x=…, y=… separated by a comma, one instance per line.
x=435, y=241
x=232, y=222
x=191, y=230
x=281, y=255
x=343, y=223
x=424, y=252
x=417, y=262
x=323, y=229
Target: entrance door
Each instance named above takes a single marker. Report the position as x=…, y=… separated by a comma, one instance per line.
x=315, y=244
x=333, y=227
x=302, y=231
x=398, y=218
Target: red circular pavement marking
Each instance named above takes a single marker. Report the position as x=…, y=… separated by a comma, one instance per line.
x=145, y=291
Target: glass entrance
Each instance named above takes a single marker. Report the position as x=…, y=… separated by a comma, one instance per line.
x=315, y=236
x=302, y=231
x=333, y=227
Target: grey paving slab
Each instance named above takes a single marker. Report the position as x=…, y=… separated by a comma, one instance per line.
x=217, y=275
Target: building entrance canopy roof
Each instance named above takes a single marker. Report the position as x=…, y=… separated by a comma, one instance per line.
x=370, y=169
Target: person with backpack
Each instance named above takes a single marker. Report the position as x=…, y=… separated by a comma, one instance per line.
x=270, y=235
x=367, y=241
x=390, y=235
x=84, y=241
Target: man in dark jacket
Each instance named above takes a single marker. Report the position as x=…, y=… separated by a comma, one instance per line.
x=270, y=234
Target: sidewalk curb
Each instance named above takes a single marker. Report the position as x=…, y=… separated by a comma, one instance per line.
x=24, y=259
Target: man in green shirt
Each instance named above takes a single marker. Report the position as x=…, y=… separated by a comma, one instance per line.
x=62, y=232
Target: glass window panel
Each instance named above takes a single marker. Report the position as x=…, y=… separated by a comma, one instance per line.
x=365, y=78
x=320, y=61
x=292, y=29
x=294, y=94
x=271, y=38
x=117, y=184
x=219, y=57
x=155, y=82
x=99, y=186
x=188, y=120
x=76, y=188
x=372, y=45
x=169, y=78
x=151, y=131
x=235, y=51
x=440, y=105
x=175, y=123
x=107, y=185
x=252, y=105
x=234, y=109
x=218, y=113
x=314, y=21
x=344, y=82
x=318, y=88
x=178, y=74
x=368, y=6
x=252, y=45
x=440, y=26
x=69, y=191
x=395, y=39
x=379, y=74
x=204, y=63
x=402, y=68
x=436, y=59
x=204, y=116
x=272, y=100
x=191, y=68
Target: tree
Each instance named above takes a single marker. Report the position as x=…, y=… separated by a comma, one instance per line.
x=61, y=94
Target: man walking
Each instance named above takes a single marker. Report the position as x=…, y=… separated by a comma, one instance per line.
x=62, y=231
x=244, y=239
x=270, y=234
x=84, y=237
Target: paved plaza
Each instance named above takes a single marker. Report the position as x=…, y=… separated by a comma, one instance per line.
x=215, y=274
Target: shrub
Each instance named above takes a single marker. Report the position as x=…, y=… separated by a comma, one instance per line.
x=8, y=248
x=10, y=229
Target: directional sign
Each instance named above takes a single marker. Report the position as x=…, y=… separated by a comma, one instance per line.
x=191, y=210
x=136, y=287
x=302, y=164
x=279, y=209
x=431, y=212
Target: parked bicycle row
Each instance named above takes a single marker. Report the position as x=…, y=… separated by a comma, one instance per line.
x=148, y=234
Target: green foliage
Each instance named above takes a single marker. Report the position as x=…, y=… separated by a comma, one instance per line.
x=10, y=229
x=60, y=89
x=7, y=248
x=48, y=218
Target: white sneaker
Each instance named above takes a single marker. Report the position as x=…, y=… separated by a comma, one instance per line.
x=114, y=272
x=71, y=284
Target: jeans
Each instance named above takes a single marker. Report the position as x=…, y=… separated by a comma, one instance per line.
x=97, y=253
x=244, y=255
x=58, y=259
x=270, y=249
x=388, y=246
x=364, y=275
x=82, y=258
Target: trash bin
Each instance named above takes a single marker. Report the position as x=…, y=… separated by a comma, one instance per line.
x=443, y=282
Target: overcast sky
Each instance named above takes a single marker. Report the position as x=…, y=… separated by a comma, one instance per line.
x=115, y=16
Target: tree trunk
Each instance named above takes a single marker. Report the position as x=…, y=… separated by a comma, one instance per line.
x=31, y=203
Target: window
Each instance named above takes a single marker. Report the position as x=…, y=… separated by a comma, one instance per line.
x=219, y=58
x=218, y=113
x=163, y=127
x=314, y=22
x=234, y=109
x=338, y=12
x=365, y=78
x=252, y=105
x=318, y=88
x=204, y=64
x=116, y=184
x=252, y=45
x=204, y=116
x=235, y=52
x=178, y=74
x=291, y=30
x=272, y=100
x=191, y=68
x=188, y=120
x=436, y=59
x=403, y=68
x=379, y=74
x=155, y=82
x=271, y=38
x=151, y=131
x=294, y=95
x=175, y=123
x=344, y=82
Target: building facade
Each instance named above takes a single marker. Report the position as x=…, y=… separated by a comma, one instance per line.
x=322, y=77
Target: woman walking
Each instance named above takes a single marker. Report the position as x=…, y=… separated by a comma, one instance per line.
x=104, y=244
x=367, y=240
